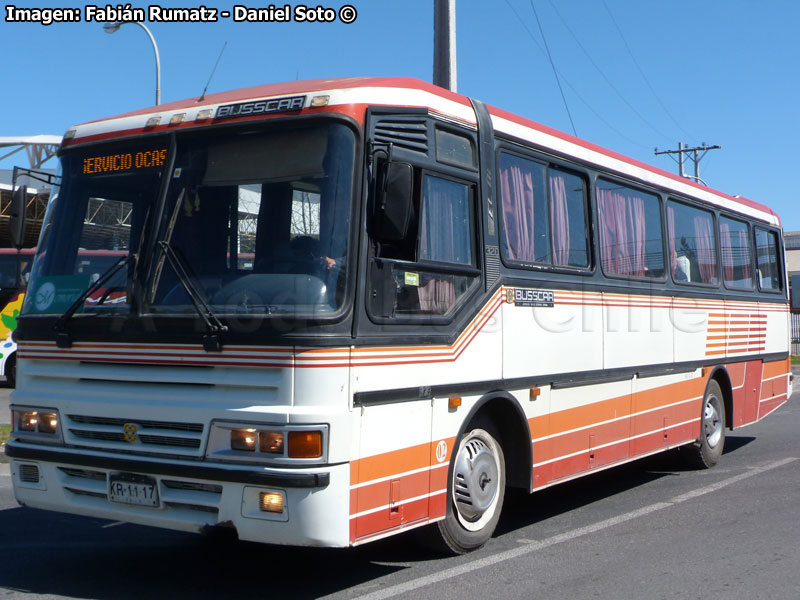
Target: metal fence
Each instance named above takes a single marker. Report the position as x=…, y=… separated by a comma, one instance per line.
x=795, y=333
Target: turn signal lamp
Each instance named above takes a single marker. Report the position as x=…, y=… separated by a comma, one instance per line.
x=305, y=444
x=243, y=439
x=270, y=502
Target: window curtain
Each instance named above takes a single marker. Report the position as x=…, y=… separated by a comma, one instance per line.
x=516, y=189
x=727, y=252
x=559, y=220
x=622, y=232
x=437, y=295
x=673, y=254
x=706, y=259
x=436, y=230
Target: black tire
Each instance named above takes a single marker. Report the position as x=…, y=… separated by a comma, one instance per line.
x=11, y=371
x=706, y=451
x=475, y=491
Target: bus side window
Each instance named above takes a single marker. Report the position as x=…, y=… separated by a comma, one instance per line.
x=424, y=274
x=736, y=254
x=692, y=244
x=767, y=260
x=630, y=231
x=544, y=214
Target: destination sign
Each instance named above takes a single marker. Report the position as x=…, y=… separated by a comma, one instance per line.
x=124, y=161
x=260, y=107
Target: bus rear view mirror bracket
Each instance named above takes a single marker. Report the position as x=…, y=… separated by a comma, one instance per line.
x=19, y=201
x=16, y=222
x=393, y=206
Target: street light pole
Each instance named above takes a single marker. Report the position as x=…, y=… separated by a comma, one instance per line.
x=114, y=26
x=444, y=44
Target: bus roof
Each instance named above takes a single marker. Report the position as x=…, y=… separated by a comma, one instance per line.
x=352, y=96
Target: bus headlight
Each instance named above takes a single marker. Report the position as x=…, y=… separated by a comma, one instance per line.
x=35, y=424
x=289, y=444
x=243, y=439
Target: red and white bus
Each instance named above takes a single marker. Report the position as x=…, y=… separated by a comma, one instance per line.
x=350, y=308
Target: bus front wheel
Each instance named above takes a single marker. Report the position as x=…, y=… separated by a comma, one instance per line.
x=476, y=488
x=707, y=449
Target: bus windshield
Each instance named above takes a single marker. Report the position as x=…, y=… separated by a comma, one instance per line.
x=257, y=219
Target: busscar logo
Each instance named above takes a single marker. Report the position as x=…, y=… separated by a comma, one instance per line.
x=536, y=298
x=260, y=107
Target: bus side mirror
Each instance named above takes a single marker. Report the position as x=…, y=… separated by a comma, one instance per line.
x=16, y=221
x=393, y=202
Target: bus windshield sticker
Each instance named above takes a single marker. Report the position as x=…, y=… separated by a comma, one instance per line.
x=534, y=298
x=57, y=293
x=260, y=107
x=412, y=278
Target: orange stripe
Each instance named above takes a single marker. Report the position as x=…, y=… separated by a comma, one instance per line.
x=379, y=494
x=390, y=463
x=778, y=367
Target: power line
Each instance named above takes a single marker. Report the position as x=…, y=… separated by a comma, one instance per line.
x=641, y=71
x=555, y=72
x=572, y=87
x=605, y=77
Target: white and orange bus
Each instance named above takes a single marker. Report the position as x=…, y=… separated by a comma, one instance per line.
x=350, y=308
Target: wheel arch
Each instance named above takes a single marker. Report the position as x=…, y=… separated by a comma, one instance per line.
x=507, y=416
x=723, y=379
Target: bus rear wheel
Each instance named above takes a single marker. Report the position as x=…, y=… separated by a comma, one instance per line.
x=707, y=449
x=476, y=489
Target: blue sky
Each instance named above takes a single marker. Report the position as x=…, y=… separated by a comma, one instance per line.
x=723, y=72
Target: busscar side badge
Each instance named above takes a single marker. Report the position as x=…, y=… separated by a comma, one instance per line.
x=130, y=432
x=530, y=298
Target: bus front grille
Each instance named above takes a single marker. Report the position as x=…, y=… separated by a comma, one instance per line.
x=141, y=434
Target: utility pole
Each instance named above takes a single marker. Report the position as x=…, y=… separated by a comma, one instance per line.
x=695, y=157
x=444, y=44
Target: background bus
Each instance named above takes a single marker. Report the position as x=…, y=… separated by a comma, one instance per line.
x=15, y=266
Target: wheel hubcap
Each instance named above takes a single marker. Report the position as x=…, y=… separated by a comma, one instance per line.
x=712, y=422
x=475, y=482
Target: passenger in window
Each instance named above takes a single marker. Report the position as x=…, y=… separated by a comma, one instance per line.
x=681, y=269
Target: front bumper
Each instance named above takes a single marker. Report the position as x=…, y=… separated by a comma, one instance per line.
x=193, y=496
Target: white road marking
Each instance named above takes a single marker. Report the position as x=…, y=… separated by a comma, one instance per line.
x=567, y=536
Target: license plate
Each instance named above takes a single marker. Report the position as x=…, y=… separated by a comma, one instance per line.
x=126, y=488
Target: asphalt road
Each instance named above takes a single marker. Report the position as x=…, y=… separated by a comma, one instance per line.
x=652, y=529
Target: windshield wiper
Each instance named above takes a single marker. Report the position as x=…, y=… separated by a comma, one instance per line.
x=63, y=338
x=211, y=340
